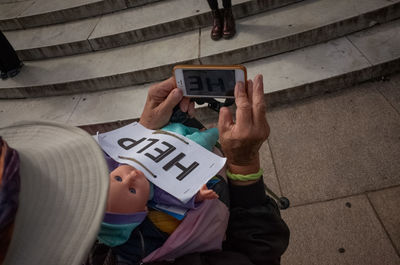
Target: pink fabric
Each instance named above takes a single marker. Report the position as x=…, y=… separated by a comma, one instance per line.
x=203, y=229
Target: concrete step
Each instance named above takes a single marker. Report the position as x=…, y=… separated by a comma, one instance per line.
x=34, y=13
x=291, y=76
x=259, y=36
x=126, y=27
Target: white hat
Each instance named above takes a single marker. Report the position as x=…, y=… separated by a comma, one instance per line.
x=64, y=182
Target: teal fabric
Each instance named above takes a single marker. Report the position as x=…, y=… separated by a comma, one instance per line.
x=115, y=234
x=207, y=138
x=151, y=195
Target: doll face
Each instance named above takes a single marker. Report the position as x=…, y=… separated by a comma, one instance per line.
x=129, y=190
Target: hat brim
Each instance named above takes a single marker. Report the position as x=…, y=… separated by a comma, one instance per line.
x=64, y=183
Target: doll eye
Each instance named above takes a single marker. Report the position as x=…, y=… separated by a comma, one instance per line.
x=118, y=178
x=132, y=190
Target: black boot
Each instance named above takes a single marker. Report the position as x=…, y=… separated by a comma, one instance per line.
x=15, y=71
x=216, y=32
x=3, y=75
x=229, y=24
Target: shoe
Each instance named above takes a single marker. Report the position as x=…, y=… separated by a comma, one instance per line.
x=216, y=32
x=229, y=24
x=4, y=75
x=15, y=71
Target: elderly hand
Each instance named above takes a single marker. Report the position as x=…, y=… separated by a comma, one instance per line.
x=242, y=140
x=161, y=100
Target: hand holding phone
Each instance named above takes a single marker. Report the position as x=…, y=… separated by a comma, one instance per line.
x=161, y=100
x=241, y=139
x=214, y=81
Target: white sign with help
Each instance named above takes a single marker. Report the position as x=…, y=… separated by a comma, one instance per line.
x=172, y=162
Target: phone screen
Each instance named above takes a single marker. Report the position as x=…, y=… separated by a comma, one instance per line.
x=209, y=82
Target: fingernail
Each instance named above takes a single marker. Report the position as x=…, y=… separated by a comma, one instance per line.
x=177, y=93
x=240, y=86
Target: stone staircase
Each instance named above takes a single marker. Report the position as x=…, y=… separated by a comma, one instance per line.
x=20, y=14
x=89, y=63
x=96, y=58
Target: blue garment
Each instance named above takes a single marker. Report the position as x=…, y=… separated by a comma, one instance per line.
x=117, y=228
x=142, y=241
x=207, y=138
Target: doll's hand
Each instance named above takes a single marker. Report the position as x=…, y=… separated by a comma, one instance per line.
x=205, y=194
x=161, y=100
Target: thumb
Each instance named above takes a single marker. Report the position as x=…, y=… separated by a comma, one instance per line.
x=173, y=98
x=224, y=120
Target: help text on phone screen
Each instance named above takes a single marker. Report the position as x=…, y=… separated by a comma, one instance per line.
x=196, y=84
x=209, y=82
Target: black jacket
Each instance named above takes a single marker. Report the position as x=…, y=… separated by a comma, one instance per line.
x=256, y=233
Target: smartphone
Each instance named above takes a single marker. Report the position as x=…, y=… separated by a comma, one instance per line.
x=215, y=81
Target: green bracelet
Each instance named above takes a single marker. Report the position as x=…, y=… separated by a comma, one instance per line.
x=241, y=177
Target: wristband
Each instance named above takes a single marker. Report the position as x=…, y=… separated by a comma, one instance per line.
x=241, y=177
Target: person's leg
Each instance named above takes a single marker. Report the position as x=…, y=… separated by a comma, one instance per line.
x=229, y=22
x=213, y=4
x=227, y=3
x=9, y=61
x=216, y=31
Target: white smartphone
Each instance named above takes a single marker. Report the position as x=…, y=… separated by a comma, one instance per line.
x=215, y=81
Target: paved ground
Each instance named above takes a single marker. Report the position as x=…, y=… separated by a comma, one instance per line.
x=337, y=157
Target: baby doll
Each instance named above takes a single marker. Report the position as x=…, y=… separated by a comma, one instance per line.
x=128, y=196
x=131, y=229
